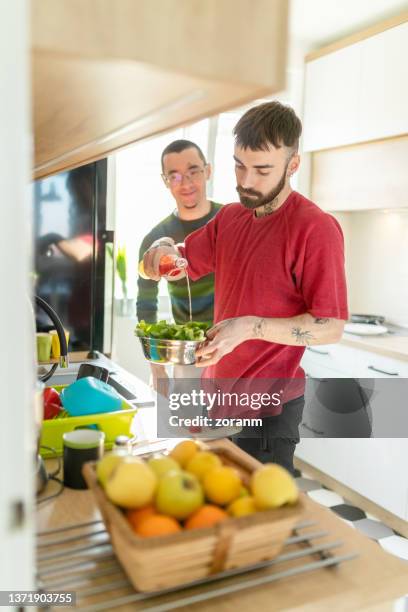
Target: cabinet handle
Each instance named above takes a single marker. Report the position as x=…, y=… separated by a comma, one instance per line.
x=313, y=350
x=371, y=367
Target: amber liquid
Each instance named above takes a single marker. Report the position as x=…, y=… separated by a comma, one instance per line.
x=167, y=267
x=189, y=297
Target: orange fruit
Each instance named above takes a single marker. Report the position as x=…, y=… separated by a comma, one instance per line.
x=157, y=525
x=206, y=516
x=136, y=516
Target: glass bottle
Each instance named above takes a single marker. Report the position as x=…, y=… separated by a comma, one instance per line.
x=169, y=265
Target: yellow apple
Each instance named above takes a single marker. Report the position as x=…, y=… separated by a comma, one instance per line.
x=272, y=486
x=202, y=462
x=132, y=484
x=184, y=451
x=105, y=467
x=160, y=464
x=242, y=506
x=179, y=494
x=222, y=485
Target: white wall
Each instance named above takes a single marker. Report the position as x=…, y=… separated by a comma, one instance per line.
x=16, y=329
x=377, y=262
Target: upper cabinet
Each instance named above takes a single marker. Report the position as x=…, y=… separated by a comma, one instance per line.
x=359, y=92
x=108, y=73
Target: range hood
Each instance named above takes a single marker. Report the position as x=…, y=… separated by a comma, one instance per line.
x=108, y=73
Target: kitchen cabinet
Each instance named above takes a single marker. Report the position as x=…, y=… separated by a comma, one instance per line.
x=339, y=361
x=374, y=468
x=380, y=183
x=359, y=92
x=106, y=74
x=331, y=94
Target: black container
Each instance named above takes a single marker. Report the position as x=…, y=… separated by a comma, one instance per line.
x=89, y=369
x=80, y=446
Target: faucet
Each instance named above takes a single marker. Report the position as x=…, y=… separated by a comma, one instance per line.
x=63, y=361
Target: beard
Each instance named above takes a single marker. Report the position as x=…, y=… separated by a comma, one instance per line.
x=259, y=198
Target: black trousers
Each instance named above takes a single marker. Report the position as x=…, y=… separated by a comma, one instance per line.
x=276, y=440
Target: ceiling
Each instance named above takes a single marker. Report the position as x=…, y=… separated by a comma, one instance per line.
x=315, y=23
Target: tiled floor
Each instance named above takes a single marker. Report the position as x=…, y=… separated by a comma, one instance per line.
x=366, y=523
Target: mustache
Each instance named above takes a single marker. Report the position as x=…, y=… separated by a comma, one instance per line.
x=245, y=192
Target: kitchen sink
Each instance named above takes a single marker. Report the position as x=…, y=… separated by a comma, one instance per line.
x=129, y=387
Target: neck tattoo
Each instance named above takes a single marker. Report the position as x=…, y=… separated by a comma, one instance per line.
x=268, y=208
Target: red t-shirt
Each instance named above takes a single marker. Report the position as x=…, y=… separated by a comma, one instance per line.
x=281, y=265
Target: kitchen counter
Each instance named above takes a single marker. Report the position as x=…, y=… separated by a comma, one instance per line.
x=372, y=581
x=388, y=345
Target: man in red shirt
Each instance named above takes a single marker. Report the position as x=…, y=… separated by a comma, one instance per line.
x=279, y=275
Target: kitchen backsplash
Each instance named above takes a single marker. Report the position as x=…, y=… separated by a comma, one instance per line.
x=377, y=261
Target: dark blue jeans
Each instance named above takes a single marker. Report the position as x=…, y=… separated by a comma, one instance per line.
x=276, y=440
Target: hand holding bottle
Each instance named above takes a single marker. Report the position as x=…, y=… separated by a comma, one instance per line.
x=162, y=259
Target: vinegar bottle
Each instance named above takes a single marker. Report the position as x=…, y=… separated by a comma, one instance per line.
x=169, y=265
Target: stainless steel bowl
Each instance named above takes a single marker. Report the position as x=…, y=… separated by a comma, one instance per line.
x=180, y=352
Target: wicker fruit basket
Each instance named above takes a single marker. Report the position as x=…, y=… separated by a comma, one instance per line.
x=157, y=563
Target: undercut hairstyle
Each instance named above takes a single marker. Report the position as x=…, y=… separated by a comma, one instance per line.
x=266, y=124
x=177, y=146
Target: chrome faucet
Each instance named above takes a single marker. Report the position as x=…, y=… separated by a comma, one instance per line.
x=63, y=361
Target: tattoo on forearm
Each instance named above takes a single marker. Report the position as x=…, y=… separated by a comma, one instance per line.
x=303, y=337
x=321, y=321
x=259, y=328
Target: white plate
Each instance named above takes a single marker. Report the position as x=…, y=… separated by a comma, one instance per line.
x=365, y=329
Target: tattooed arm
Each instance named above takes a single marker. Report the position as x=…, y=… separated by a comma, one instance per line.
x=302, y=330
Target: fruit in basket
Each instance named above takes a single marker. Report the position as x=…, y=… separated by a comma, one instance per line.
x=244, y=492
x=273, y=486
x=243, y=506
x=179, y=494
x=52, y=403
x=105, y=467
x=157, y=525
x=206, y=516
x=138, y=515
x=184, y=451
x=203, y=462
x=132, y=484
x=161, y=465
x=222, y=485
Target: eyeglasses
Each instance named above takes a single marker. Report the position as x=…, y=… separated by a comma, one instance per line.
x=176, y=178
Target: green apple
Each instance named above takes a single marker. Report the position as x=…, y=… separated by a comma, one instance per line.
x=132, y=484
x=161, y=465
x=179, y=494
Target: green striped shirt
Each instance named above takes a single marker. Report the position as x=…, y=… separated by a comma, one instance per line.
x=202, y=290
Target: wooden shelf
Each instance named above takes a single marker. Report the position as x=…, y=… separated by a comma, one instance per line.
x=106, y=74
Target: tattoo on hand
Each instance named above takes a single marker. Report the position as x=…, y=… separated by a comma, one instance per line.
x=321, y=321
x=259, y=328
x=303, y=337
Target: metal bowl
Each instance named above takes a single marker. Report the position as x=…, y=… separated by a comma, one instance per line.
x=180, y=352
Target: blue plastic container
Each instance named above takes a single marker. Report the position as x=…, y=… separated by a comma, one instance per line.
x=90, y=396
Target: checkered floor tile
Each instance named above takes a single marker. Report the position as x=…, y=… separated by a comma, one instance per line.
x=364, y=522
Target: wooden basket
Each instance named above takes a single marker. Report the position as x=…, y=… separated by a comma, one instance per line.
x=161, y=562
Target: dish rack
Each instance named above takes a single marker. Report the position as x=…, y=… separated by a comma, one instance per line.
x=80, y=558
x=113, y=424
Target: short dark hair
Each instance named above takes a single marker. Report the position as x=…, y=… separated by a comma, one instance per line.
x=177, y=146
x=269, y=123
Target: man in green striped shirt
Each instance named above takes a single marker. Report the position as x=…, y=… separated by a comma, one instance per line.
x=185, y=173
